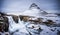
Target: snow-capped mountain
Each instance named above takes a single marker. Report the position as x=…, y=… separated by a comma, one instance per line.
x=37, y=12
x=34, y=6
x=34, y=10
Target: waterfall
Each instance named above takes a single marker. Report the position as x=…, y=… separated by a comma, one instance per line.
x=26, y=28
x=13, y=27
x=21, y=28
x=11, y=24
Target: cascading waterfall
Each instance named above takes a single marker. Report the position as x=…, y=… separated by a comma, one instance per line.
x=11, y=24
x=13, y=27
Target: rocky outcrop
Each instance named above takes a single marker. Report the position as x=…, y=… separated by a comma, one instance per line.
x=3, y=23
x=15, y=18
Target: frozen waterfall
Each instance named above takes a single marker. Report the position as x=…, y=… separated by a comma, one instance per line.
x=13, y=27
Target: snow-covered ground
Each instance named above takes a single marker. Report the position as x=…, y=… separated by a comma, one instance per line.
x=26, y=28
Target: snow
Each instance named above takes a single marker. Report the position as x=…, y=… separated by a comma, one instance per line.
x=33, y=12
x=23, y=28
x=26, y=28
x=52, y=15
x=47, y=29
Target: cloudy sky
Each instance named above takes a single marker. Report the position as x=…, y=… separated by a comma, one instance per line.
x=51, y=6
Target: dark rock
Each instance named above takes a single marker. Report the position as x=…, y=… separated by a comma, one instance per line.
x=4, y=24
x=58, y=33
x=15, y=18
x=46, y=32
x=52, y=30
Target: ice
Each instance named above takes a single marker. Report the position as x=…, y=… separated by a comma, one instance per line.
x=47, y=30
x=25, y=28
x=13, y=27
x=21, y=27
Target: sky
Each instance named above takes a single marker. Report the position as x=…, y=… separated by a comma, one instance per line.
x=9, y=6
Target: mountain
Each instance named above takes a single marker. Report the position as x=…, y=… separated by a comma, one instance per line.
x=34, y=10
x=34, y=6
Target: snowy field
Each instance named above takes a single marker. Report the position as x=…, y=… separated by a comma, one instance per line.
x=26, y=28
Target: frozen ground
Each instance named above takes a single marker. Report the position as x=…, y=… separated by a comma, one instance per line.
x=26, y=28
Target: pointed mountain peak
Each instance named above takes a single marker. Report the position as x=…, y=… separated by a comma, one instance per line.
x=33, y=5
